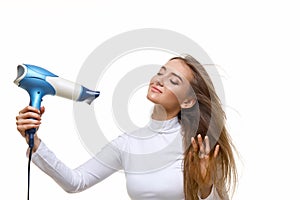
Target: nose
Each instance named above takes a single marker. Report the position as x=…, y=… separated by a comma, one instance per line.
x=159, y=80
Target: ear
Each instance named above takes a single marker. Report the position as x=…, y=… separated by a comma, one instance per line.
x=188, y=103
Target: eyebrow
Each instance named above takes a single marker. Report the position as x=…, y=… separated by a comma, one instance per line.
x=164, y=68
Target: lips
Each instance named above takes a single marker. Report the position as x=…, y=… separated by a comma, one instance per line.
x=155, y=89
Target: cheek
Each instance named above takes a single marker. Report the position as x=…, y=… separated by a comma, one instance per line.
x=168, y=98
x=172, y=99
x=171, y=96
x=178, y=93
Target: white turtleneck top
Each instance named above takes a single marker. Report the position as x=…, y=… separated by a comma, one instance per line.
x=151, y=158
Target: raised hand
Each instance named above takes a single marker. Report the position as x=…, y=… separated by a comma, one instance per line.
x=29, y=117
x=202, y=164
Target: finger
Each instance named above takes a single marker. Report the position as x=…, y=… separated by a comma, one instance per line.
x=207, y=146
x=216, y=152
x=22, y=128
x=191, y=158
x=42, y=110
x=28, y=122
x=29, y=108
x=201, y=145
x=28, y=115
x=194, y=145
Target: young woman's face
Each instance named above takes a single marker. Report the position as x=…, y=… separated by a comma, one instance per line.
x=170, y=86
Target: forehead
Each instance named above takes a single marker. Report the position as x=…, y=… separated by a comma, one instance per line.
x=180, y=68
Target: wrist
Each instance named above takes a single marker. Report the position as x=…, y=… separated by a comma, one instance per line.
x=37, y=142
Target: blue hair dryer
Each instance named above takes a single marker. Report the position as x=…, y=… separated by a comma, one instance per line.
x=39, y=82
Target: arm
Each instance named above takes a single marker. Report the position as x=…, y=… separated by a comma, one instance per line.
x=71, y=180
x=74, y=180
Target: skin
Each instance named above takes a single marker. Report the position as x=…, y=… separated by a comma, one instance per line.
x=202, y=162
x=30, y=117
x=168, y=90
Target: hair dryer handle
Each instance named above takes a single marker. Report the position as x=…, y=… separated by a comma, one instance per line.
x=36, y=96
x=30, y=133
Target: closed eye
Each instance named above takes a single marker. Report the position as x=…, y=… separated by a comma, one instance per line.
x=174, y=82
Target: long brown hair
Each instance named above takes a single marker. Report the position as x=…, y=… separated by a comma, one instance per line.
x=207, y=118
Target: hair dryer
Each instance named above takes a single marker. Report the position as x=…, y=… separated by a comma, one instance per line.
x=39, y=82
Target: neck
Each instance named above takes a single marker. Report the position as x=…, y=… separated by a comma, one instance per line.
x=161, y=114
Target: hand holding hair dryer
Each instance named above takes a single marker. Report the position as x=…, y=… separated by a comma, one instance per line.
x=39, y=82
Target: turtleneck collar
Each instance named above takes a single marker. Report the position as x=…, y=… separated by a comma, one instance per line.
x=166, y=126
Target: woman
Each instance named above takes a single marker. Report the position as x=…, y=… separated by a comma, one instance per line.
x=187, y=128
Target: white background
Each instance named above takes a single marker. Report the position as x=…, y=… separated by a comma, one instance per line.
x=255, y=43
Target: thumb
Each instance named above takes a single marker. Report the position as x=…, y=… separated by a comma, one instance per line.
x=42, y=110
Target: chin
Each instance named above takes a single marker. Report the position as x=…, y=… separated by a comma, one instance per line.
x=152, y=99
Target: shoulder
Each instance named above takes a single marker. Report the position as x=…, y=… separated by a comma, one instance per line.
x=126, y=138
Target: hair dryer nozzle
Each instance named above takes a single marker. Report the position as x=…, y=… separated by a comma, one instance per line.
x=87, y=95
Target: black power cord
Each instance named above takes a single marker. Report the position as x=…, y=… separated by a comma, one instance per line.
x=30, y=133
x=29, y=161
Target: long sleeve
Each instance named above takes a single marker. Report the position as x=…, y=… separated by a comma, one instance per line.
x=151, y=158
x=83, y=177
